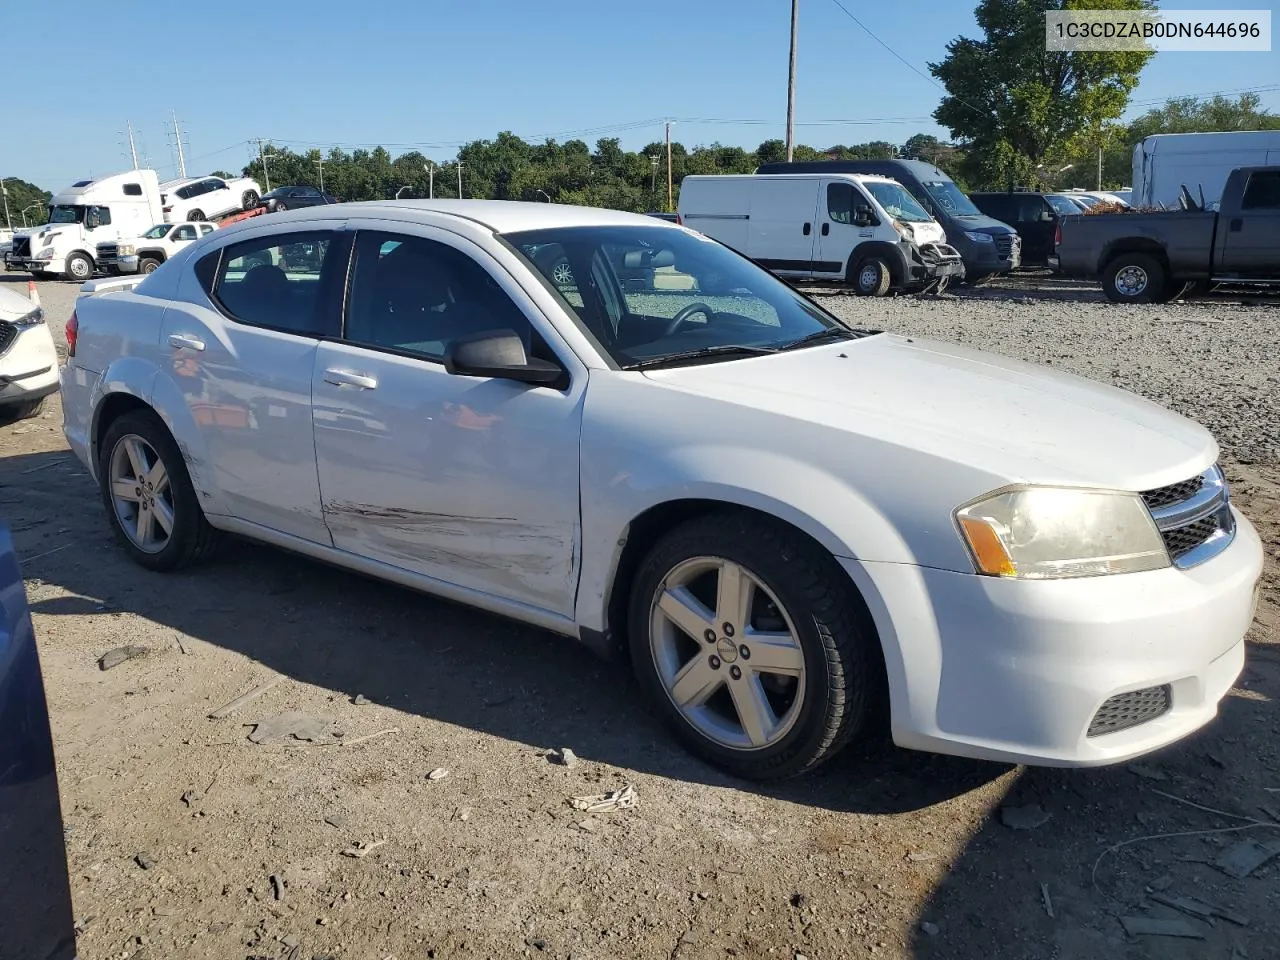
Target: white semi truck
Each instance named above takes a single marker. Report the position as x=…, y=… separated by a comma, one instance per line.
x=85, y=214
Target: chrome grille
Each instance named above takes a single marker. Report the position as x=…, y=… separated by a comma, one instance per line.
x=1193, y=516
x=1004, y=245
x=1126, y=710
x=1173, y=493
x=8, y=333
x=108, y=250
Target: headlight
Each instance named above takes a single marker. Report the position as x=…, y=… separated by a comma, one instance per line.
x=1047, y=533
x=904, y=230
x=45, y=254
x=31, y=319
x=126, y=250
x=980, y=237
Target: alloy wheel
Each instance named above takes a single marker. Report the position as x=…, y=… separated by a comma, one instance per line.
x=727, y=653
x=141, y=493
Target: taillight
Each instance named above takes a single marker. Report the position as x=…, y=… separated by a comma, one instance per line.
x=1057, y=234
x=680, y=219
x=73, y=332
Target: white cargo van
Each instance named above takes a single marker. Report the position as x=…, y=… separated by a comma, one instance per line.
x=83, y=215
x=1164, y=162
x=865, y=230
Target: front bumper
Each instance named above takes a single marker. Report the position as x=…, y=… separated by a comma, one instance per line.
x=932, y=261
x=1016, y=671
x=126, y=263
x=31, y=265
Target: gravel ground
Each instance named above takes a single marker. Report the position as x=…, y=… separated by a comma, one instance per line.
x=883, y=853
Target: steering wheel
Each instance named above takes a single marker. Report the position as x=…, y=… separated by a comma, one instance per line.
x=682, y=317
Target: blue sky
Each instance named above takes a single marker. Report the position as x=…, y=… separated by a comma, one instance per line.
x=430, y=75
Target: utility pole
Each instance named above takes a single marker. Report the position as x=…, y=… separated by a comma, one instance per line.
x=320, y=164
x=177, y=136
x=133, y=151
x=8, y=220
x=791, y=84
x=431, y=180
x=262, y=159
x=669, y=191
x=459, y=179
x=1099, y=167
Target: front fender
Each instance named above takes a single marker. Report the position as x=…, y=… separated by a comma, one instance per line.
x=817, y=502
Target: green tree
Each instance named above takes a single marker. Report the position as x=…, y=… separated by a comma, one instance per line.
x=1013, y=104
x=25, y=200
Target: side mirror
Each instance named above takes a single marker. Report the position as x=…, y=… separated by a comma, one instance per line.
x=499, y=354
x=863, y=217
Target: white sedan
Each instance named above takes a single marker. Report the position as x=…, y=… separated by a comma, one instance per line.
x=792, y=527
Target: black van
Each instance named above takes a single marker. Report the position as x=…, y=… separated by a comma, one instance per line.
x=987, y=246
x=1034, y=215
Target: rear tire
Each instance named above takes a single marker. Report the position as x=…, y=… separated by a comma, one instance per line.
x=872, y=278
x=148, y=265
x=24, y=410
x=133, y=446
x=249, y=200
x=781, y=685
x=195, y=215
x=1134, y=278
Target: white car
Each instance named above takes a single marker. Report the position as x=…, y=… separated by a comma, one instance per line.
x=205, y=198
x=28, y=361
x=790, y=525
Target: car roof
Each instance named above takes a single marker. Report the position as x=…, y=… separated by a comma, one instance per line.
x=500, y=216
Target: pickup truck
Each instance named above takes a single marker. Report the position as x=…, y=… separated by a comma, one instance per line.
x=143, y=254
x=1156, y=257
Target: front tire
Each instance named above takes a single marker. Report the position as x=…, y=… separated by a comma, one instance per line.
x=148, y=265
x=281, y=206
x=872, y=277
x=148, y=494
x=80, y=267
x=1134, y=278
x=196, y=215
x=752, y=644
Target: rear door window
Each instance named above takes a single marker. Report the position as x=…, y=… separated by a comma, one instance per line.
x=276, y=281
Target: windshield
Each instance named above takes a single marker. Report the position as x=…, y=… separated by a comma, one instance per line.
x=1063, y=205
x=158, y=231
x=896, y=201
x=648, y=293
x=66, y=214
x=948, y=197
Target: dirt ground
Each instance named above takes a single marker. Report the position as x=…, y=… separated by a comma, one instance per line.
x=186, y=839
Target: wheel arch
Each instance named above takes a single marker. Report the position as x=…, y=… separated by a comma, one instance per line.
x=155, y=253
x=888, y=252
x=1145, y=245
x=165, y=401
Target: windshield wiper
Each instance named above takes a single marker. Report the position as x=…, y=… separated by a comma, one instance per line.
x=721, y=350
x=827, y=333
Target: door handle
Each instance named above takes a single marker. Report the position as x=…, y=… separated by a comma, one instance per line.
x=826, y=229
x=1237, y=224
x=806, y=229
x=182, y=340
x=345, y=378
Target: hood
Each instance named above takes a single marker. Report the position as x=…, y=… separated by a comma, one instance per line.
x=13, y=305
x=927, y=231
x=1023, y=423
x=981, y=223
